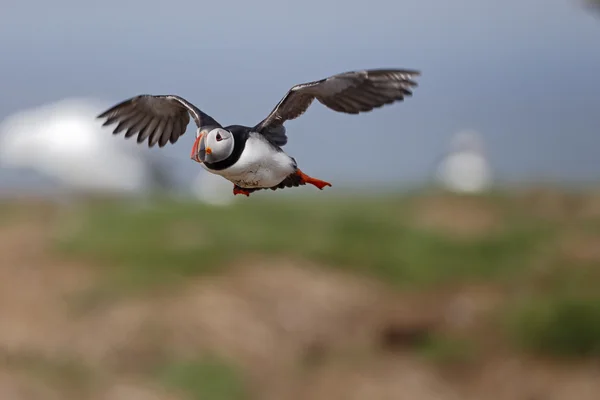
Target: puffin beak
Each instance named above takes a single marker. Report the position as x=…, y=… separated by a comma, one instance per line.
x=198, y=151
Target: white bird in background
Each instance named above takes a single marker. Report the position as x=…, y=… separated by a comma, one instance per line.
x=63, y=142
x=212, y=189
x=465, y=168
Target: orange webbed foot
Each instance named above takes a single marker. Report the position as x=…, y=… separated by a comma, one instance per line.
x=238, y=190
x=313, y=181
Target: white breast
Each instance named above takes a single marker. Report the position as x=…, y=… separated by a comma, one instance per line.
x=259, y=166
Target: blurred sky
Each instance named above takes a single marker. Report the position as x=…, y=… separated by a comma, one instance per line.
x=524, y=73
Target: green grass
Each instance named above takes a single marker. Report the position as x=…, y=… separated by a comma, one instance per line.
x=141, y=248
x=447, y=350
x=370, y=236
x=561, y=326
x=209, y=378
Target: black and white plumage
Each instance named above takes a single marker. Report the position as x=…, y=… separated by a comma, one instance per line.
x=252, y=157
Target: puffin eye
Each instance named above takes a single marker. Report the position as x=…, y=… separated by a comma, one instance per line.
x=219, y=138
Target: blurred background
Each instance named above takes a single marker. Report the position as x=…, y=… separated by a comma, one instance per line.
x=457, y=255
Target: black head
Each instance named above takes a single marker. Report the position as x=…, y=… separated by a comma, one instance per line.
x=220, y=148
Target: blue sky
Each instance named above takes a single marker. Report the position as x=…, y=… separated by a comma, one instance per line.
x=524, y=73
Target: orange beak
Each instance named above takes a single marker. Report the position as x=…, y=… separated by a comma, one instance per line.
x=194, y=153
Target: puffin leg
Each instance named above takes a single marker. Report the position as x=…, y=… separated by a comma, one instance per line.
x=238, y=190
x=304, y=179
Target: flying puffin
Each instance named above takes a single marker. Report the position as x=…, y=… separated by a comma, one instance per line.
x=252, y=158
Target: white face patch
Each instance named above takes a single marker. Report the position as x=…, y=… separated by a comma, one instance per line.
x=219, y=144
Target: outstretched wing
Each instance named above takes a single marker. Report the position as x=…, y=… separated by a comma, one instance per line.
x=157, y=119
x=349, y=92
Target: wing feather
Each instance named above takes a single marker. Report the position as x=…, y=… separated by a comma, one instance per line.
x=351, y=92
x=177, y=129
x=157, y=119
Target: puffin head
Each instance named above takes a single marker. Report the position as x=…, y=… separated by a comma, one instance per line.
x=212, y=145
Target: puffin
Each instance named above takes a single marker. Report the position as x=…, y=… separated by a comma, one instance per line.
x=252, y=157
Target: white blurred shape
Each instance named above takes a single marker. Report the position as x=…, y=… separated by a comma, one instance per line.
x=212, y=189
x=66, y=142
x=465, y=168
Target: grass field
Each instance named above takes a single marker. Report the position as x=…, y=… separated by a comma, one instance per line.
x=447, y=282
x=385, y=238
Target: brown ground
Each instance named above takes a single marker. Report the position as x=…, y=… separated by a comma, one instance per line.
x=297, y=331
